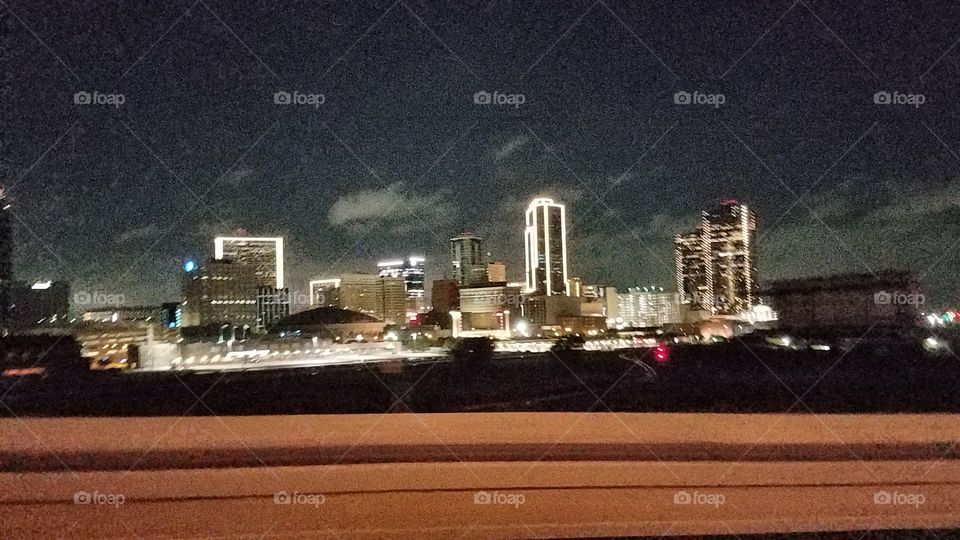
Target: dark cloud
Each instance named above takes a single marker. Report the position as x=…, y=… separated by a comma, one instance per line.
x=398, y=158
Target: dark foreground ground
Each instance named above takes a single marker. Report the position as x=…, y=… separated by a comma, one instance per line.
x=713, y=378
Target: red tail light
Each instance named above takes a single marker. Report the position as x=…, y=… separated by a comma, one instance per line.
x=661, y=353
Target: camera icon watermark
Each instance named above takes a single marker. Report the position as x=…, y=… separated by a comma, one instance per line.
x=883, y=97
x=887, y=498
x=496, y=98
x=681, y=97
x=501, y=498
x=299, y=98
x=896, y=298
x=96, y=98
x=98, y=298
x=95, y=497
x=307, y=499
x=699, y=498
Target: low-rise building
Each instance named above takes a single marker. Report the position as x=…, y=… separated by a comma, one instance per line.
x=848, y=302
x=331, y=323
x=488, y=309
x=123, y=314
x=648, y=306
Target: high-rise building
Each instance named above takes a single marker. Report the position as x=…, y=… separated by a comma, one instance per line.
x=445, y=295
x=265, y=255
x=383, y=297
x=220, y=292
x=469, y=260
x=716, y=263
x=391, y=300
x=272, y=305
x=691, y=272
x=356, y=292
x=545, y=239
x=6, y=262
x=412, y=273
x=496, y=272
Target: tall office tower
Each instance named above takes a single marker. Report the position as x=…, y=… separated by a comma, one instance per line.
x=272, y=305
x=356, y=292
x=412, y=273
x=6, y=262
x=545, y=239
x=497, y=272
x=691, y=273
x=719, y=270
x=265, y=255
x=220, y=292
x=391, y=300
x=469, y=260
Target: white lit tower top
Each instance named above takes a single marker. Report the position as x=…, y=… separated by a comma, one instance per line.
x=6, y=240
x=265, y=254
x=411, y=270
x=545, y=240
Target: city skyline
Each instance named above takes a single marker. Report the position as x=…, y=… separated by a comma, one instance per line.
x=266, y=256
x=111, y=196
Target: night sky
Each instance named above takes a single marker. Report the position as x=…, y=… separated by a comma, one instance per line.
x=399, y=158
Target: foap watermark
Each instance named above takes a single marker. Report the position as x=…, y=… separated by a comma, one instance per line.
x=883, y=97
x=97, y=98
x=306, y=499
x=95, y=497
x=499, y=497
x=897, y=298
x=502, y=299
x=891, y=498
x=299, y=98
x=698, y=98
x=699, y=498
x=98, y=298
x=498, y=98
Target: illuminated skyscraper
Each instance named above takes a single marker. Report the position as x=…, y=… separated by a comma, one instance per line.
x=691, y=274
x=6, y=262
x=469, y=260
x=716, y=263
x=545, y=239
x=264, y=255
x=412, y=272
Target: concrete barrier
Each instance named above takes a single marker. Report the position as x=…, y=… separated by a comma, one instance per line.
x=477, y=475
